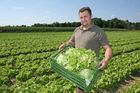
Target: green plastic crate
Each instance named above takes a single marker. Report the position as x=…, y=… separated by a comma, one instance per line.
x=71, y=76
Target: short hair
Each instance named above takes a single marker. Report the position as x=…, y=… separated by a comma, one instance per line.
x=84, y=9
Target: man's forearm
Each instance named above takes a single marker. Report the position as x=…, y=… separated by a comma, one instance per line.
x=108, y=54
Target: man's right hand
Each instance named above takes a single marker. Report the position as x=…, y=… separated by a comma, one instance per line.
x=62, y=46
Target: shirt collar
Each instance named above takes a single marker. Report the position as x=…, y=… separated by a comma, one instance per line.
x=81, y=27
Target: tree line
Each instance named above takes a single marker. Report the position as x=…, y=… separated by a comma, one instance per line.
x=113, y=23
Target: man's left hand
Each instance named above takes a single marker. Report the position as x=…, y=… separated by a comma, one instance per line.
x=103, y=64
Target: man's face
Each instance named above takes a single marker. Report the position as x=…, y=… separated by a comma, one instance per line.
x=85, y=18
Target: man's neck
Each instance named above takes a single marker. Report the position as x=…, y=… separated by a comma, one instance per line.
x=85, y=27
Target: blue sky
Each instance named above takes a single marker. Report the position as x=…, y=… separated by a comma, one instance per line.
x=28, y=12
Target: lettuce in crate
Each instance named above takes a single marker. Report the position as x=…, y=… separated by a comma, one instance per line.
x=78, y=60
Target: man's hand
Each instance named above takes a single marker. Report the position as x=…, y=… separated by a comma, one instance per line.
x=103, y=64
x=69, y=42
x=62, y=46
x=108, y=55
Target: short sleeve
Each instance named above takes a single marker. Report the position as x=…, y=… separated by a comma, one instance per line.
x=103, y=38
x=73, y=36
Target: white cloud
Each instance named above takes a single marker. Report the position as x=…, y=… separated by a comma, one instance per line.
x=113, y=16
x=126, y=18
x=46, y=17
x=47, y=12
x=35, y=18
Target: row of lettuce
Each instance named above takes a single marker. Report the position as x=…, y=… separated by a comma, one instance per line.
x=29, y=43
x=5, y=52
x=25, y=46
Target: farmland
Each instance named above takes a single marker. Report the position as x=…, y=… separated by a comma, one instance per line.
x=25, y=63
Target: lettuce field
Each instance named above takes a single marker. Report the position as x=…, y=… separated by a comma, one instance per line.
x=25, y=63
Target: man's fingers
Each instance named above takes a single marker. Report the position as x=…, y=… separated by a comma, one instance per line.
x=99, y=63
x=61, y=47
x=101, y=68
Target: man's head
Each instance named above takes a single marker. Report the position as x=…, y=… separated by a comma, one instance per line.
x=85, y=16
x=85, y=9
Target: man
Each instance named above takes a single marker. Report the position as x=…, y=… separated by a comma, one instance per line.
x=90, y=36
